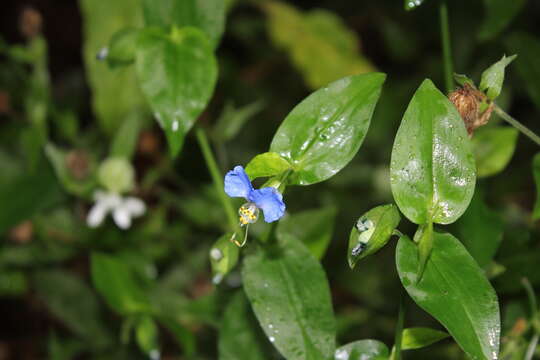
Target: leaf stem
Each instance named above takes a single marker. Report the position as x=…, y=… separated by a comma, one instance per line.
x=532, y=347
x=524, y=130
x=446, y=47
x=216, y=175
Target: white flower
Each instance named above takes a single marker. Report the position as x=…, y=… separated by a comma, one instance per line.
x=122, y=209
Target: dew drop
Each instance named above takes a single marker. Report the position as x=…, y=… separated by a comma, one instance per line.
x=175, y=125
x=217, y=278
x=272, y=339
x=102, y=53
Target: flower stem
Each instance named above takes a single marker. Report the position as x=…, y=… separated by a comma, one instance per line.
x=524, y=130
x=216, y=175
x=446, y=47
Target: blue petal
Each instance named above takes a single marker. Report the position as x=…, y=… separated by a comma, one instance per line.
x=270, y=201
x=237, y=183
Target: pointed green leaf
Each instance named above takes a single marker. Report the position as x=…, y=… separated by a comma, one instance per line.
x=419, y=337
x=207, y=15
x=499, y=14
x=116, y=283
x=289, y=293
x=232, y=119
x=240, y=336
x=463, y=79
x=323, y=133
x=146, y=334
x=266, y=164
x=527, y=65
x=493, y=77
x=223, y=257
x=432, y=172
x=362, y=350
x=371, y=232
x=456, y=292
x=313, y=227
x=177, y=72
x=493, y=149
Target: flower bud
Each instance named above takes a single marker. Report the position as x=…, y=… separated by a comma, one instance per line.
x=117, y=175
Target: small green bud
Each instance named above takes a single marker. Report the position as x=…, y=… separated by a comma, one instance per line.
x=117, y=175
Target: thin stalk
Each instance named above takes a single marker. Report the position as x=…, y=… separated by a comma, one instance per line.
x=217, y=177
x=532, y=347
x=446, y=47
x=524, y=130
x=396, y=350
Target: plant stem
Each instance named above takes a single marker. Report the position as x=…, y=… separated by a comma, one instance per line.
x=532, y=347
x=216, y=175
x=446, y=47
x=524, y=130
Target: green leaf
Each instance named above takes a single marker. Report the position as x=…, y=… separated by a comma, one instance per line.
x=146, y=334
x=362, y=350
x=70, y=300
x=323, y=133
x=493, y=148
x=419, y=337
x=527, y=66
x=424, y=238
x=122, y=47
x=207, y=15
x=223, y=257
x=177, y=72
x=480, y=229
x=371, y=232
x=499, y=14
x=126, y=137
x=115, y=93
x=493, y=77
x=412, y=4
x=289, y=293
x=58, y=159
x=455, y=291
x=240, y=337
x=232, y=119
x=318, y=43
x=266, y=164
x=26, y=195
x=313, y=227
x=536, y=174
x=116, y=283
x=462, y=79
x=432, y=171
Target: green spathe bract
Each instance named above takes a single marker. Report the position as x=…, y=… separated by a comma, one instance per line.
x=177, y=72
x=323, y=133
x=455, y=291
x=289, y=293
x=432, y=171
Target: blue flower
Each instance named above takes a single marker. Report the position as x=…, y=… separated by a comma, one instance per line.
x=268, y=199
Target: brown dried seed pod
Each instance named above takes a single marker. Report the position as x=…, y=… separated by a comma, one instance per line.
x=467, y=101
x=78, y=164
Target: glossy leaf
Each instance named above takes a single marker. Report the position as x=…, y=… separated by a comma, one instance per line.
x=223, y=257
x=412, y=4
x=207, y=15
x=536, y=174
x=313, y=227
x=432, y=171
x=371, y=232
x=289, y=293
x=419, y=337
x=498, y=15
x=323, y=133
x=362, y=350
x=318, y=43
x=240, y=336
x=115, y=93
x=493, y=149
x=177, y=72
x=266, y=164
x=480, y=229
x=493, y=77
x=455, y=291
x=116, y=283
x=527, y=66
